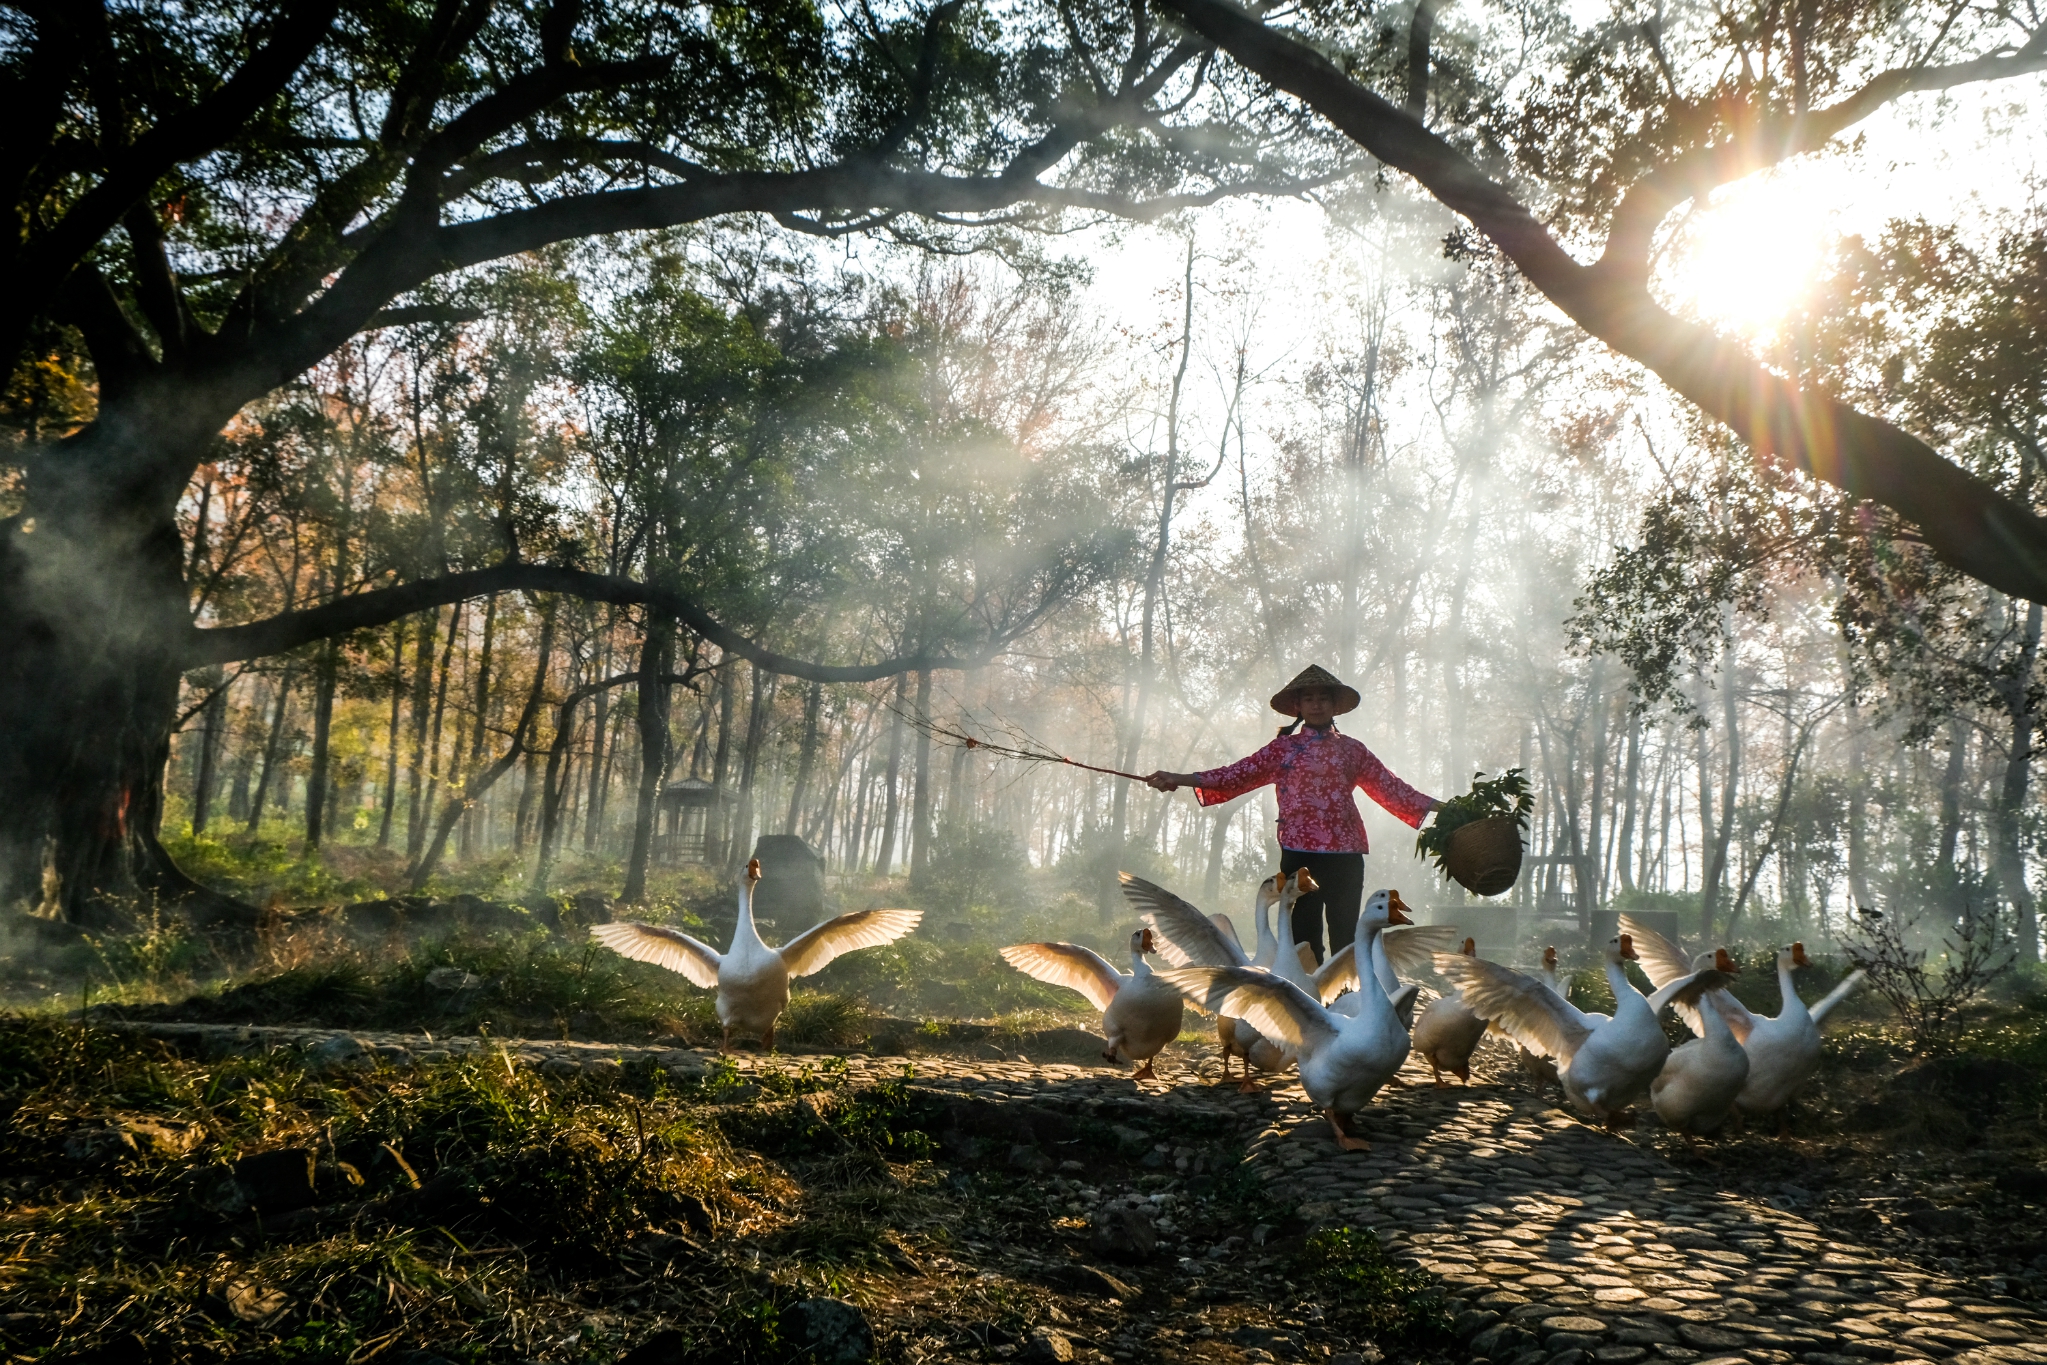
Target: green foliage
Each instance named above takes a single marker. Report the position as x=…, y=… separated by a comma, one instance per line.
x=1393, y=1301
x=1506, y=794
x=257, y=867
x=973, y=866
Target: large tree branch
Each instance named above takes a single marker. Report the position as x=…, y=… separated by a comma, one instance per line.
x=1770, y=140
x=227, y=644
x=401, y=258
x=48, y=259
x=1964, y=520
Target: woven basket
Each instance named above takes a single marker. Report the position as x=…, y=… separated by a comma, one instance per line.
x=1485, y=856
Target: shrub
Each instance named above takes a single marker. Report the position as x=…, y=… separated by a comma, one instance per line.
x=1371, y=1291
x=1977, y=949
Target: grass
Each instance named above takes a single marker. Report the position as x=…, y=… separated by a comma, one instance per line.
x=1391, y=1301
x=446, y=1195
x=478, y=1211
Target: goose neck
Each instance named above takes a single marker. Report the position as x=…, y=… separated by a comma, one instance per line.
x=746, y=936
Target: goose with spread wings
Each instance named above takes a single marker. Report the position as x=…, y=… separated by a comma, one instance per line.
x=752, y=979
x=1140, y=1012
x=1448, y=1032
x=1345, y=1059
x=1605, y=1063
x=1188, y=938
x=1782, y=1052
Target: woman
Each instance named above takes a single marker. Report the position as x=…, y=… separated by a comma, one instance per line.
x=1319, y=827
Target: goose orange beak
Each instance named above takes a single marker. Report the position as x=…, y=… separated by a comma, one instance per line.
x=1396, y=910
x=1471, y=947
x=1304, y=883
x=1723, y=963
x=753, y=869
x=1628, y=948
x=1549, y=957
x=1798, y=957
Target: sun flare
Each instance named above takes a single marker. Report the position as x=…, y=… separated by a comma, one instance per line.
x=1747, y=258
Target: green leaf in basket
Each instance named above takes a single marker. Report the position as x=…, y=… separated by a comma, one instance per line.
x=1506, y=794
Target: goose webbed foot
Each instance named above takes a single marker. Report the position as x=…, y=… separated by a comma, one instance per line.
x=1144, y=1073
x=1344, y=1139
x=1247, y=1086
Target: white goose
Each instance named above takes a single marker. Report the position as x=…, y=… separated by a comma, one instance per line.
x=1141, y=1012
x=1187, y=938
x=1782, y=1052
x=1605, y=1064
x=1448, y=1032
x=1696, y=1088
x=1540, y=1070
x=1345, y=1059
x=1400, y=953
x=752, y=979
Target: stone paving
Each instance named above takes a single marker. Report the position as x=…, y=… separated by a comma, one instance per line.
x=1559, y=1244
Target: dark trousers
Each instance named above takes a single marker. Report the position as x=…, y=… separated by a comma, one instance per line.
x=1342, y=879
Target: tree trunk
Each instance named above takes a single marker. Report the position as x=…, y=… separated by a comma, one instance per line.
x=757, y=722
x=481, y=782
x=600, y=754
x=1719, y=834
x=422, y=707
x=1623, y=859
x=211, y=734
x=326, y=674
x=391, y=735
x=892, y=781
x=655, y=655
x=1592, y=874
x=415, y=838
x=728, y=697
x=920, y=794
x=813, y=704
x=1951, y=795
x=1155, y=577
x=1218, y=842
x=474, y=758
x=2012, y=793
x=270, y=747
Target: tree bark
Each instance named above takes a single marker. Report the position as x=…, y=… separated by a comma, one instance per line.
x=1720, y=838
x=325, y=675
x=1951, y=795
x=391, y=735
x=211, y=735
x=416, y=837
x=422, y=706
x=1624, y=858
x=473, y=759
x=655, y=655
x=813, y=704
x=892, y=781
x=271, y=745
x=483, y=781
x=2022, y=711
x=920, y=794
x=721, y=813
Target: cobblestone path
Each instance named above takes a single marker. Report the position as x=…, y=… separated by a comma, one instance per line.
x=1558, y=1243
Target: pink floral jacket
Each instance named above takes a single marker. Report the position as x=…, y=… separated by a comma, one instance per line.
x=1315, y=771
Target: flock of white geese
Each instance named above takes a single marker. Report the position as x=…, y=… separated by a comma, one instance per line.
x=1347, y=1025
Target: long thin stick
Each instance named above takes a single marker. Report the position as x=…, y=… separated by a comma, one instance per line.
x=1029, y=755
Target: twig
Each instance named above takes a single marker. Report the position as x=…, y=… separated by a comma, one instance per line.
x=1026, y=750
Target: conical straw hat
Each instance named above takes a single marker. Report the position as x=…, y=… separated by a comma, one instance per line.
x=1286, y=701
